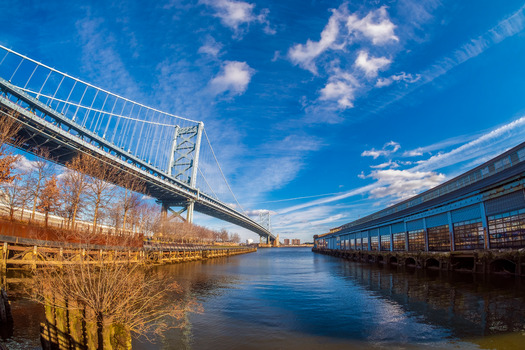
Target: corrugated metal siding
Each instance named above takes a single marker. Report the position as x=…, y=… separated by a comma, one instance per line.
x=384, y=230
x=437, y=220
x=468, y=213
x=398, y=227
x=508, y=202
x=415, y=225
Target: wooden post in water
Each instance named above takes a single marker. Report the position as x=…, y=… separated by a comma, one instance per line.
x=5, y=309
x=61, y=257
x=3, y=263
x=76, y=326
x=34, y=257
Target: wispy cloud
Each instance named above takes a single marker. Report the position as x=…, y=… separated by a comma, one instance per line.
x=491, y=143
x=388, y=149
x=389, y=164
x=211, y=47
x=474, y=47
x=396, y=184
x=101, y=60
x=400, y=77
x=343, y=195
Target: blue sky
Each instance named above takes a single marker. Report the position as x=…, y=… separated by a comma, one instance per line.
x=319, y=111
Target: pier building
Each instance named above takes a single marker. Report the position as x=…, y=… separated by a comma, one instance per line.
x=473, y=222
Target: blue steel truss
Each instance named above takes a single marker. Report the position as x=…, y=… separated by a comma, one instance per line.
x=43, y=125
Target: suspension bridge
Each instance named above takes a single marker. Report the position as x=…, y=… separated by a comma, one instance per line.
x=171, y=154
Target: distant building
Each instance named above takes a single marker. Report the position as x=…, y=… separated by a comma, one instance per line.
x=296, y=241
x=286, y=241
x=249, y=241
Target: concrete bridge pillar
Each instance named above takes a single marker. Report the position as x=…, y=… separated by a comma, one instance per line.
x=164, y=216
x=189, y=211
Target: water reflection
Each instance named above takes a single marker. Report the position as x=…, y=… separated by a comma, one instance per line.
x=468, y=305
x=294, y=299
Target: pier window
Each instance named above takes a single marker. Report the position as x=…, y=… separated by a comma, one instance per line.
x=352, y=243
x=365, y=243
x=374, y=243
x=385, y=243
x=399, y=241
x=507, y=230
x=416, y=240
x=358, y=243
x=468, y=235
x=439, y=239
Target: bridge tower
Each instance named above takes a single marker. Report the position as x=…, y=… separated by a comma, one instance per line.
x=264, y=220
x=184, y=163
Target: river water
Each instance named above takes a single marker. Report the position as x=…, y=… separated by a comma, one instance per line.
x=291, y=298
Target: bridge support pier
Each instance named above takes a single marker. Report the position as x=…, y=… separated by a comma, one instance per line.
x=164, y=216
x=189, y=211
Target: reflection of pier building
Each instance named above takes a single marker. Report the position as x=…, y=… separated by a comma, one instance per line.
x=482, y=209
x=444, y=299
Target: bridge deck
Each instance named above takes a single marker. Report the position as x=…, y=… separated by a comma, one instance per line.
x=43, y=126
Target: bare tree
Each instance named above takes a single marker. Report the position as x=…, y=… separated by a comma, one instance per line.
x=42, y=169
x=139, y=300
x=8, y=136
x=224, y=235
x=13, y=194
x=25, y=194
x=235, y=238
x=49, y=200
x=100, y=188
x=148, y=218
x=131, y=197
x=74, y=183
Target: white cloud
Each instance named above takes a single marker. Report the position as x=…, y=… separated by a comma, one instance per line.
x=375, y=26
x=304, y=55
x=234, y=14
x=388, y=149
x=342, y=31
x=393, y=185
x=234, y=77
x=341, y=88
x=402, y=184
x=24, y=165
x=371, y=65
